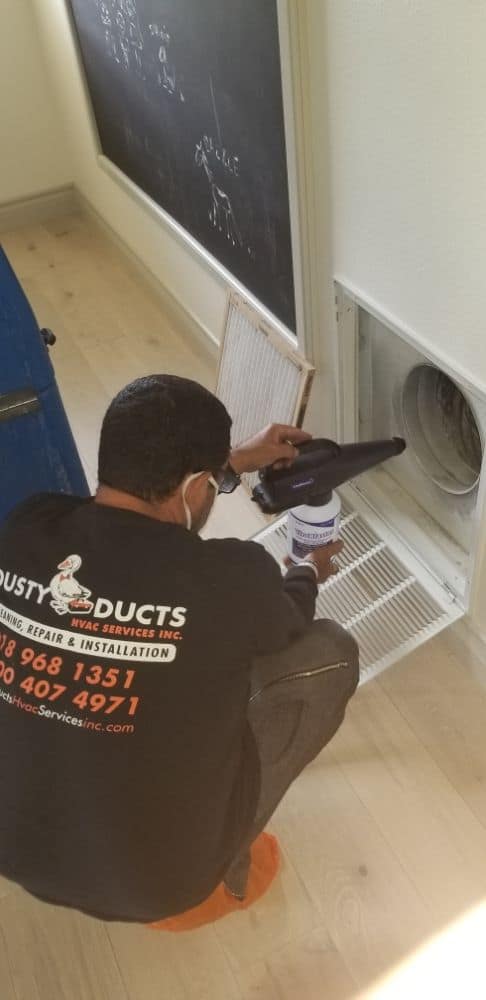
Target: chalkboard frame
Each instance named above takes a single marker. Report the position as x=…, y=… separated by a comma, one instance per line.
x=201, y=254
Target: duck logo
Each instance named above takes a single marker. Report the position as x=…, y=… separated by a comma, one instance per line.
x=69, y=595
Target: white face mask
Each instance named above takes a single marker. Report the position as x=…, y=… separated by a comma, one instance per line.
x=187, y=509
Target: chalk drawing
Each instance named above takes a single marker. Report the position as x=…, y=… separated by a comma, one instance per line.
x=230, y=162
x=166, y=71
x=123, y=35
x=221, y=214
x=105, y=14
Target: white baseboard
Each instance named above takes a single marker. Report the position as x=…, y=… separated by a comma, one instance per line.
x=37, y=209
x=183, y=318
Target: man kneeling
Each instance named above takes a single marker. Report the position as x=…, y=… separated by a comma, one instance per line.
x=158, y=692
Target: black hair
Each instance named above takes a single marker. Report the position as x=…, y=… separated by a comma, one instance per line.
x=156, y=431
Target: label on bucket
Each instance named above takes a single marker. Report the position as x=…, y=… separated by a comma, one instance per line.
x=305, y=537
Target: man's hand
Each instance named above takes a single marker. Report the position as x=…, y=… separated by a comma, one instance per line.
x=322, y=558
x=274, y=444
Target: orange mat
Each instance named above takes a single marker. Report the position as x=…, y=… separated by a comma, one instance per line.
x=264, y=867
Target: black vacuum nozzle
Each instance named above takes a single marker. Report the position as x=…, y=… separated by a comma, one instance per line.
x=320, y=466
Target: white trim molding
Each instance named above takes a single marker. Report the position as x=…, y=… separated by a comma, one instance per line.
x=309, y=178
x=38, y=208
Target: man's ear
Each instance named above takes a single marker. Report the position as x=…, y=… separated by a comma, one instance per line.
x=197, y=489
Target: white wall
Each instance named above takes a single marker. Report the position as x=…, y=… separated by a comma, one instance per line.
x=34, y=155
x=192, y=283
x=407, y=115
x=399, y=90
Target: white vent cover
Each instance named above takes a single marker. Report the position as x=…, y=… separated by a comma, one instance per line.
x=381, y=601
x=262, y=379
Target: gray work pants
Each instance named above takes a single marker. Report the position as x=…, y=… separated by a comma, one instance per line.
x=297, y=702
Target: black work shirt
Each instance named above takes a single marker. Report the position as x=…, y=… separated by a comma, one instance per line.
x=128, y=772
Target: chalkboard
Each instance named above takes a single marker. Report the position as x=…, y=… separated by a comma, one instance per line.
x=187, y=97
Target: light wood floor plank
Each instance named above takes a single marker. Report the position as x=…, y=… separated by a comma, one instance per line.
x=56, y=954
x=366, y=899
x=7, y=990
x=441, y=692
x=440, y=843
x=309, y=969
x=157, y=965
x=285, y=912
x=32, y=249
x=6, y=887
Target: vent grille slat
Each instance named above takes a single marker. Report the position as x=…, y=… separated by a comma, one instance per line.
x=387, y=610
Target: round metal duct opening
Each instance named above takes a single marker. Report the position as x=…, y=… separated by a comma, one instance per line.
x=441, y=430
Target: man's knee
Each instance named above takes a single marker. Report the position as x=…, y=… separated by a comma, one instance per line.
x=344, y=647
x=324, y=643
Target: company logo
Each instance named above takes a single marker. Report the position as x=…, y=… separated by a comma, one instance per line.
x=67, y=593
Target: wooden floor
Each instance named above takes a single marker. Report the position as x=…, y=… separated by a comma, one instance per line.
x=383, y=887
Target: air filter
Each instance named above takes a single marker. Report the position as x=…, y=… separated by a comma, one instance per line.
x=262, y=379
